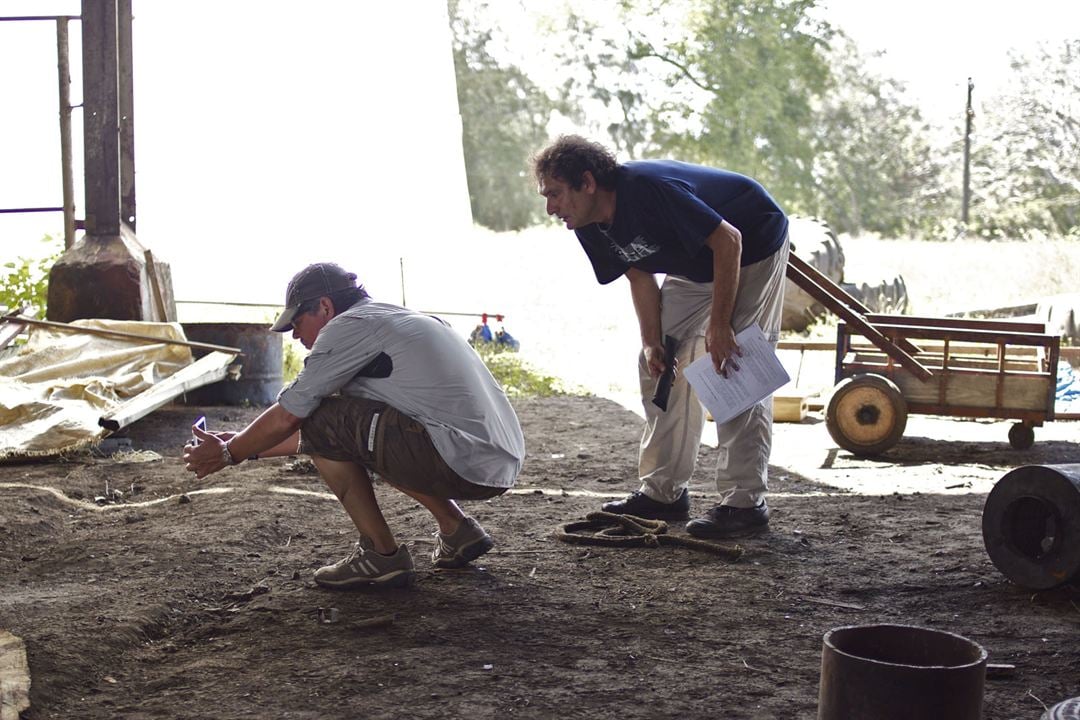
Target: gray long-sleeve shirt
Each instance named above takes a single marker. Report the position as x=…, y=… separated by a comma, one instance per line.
x=437, y=379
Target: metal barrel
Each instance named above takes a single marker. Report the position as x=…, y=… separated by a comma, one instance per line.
x=260, y=378
x=1067, y=710
x=1031, y=525
x=894, y=672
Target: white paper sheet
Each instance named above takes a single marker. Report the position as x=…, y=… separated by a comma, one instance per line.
x=759, y=375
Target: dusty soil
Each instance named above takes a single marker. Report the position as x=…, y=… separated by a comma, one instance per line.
x=194, y=599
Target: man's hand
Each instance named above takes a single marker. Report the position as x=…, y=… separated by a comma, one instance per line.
x=208, y=456
x=720, y=343
x=657, y=362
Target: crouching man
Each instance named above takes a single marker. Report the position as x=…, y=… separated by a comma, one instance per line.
x=388, y=391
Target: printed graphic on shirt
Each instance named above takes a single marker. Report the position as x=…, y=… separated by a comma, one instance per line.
x=636, y=250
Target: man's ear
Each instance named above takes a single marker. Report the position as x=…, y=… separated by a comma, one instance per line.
x=326, y=307
x=588, y=182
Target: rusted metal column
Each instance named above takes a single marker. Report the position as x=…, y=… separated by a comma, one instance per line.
x=63, y=66
x=127, y=113
x=105, y=274
x=101, y=151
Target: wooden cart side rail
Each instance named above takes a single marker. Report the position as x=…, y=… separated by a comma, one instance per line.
x=993, y=337
x=958, y=323
x=829, y=294
x=868, y=365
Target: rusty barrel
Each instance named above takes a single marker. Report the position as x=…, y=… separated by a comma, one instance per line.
x=1031, y=525
x=260, y=378
x=894, y=672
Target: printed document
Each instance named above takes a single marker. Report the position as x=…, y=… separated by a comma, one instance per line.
x=759, y=375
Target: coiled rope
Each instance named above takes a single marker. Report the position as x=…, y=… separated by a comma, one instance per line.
x=612, y=530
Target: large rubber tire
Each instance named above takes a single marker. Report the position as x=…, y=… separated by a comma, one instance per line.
x=867, y=415
x=1031, y=525
x=814, y=242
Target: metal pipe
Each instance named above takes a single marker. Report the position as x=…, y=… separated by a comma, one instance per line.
x=63, y=66
x=32, y=18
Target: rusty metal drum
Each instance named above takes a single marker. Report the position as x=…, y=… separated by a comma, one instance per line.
x=894, y=672
x=260, y=378
x=1031, y=525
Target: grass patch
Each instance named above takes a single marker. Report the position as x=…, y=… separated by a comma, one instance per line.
x=518, y=378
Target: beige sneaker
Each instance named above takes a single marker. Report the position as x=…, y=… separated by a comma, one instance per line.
x=364, y=567
x=463, y=546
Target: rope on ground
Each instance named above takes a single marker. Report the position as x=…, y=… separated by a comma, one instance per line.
x=614, y=530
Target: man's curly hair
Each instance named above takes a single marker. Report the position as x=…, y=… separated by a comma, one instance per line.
x=570, y=156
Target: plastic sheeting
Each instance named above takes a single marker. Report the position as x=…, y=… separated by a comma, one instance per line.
x=1067, y=395
x=54, y=389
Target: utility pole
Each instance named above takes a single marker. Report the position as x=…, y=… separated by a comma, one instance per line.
x=968, y=115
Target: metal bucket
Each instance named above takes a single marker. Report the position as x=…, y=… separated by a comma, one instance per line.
x=894, y=672
x=1031, y=525
x=260, y=378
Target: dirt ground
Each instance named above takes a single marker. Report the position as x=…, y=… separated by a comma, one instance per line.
x=180, y=598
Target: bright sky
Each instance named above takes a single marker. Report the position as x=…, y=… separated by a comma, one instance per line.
x=272, y=136
x=936, y=45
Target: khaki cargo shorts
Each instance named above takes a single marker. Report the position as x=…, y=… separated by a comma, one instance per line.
x=386, y=442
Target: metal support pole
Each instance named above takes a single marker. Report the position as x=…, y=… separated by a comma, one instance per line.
x=67, y=172
x=127, y=113
x=101, y=118
x=968, y=115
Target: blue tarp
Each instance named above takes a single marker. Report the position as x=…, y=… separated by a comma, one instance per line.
x=1067, y=397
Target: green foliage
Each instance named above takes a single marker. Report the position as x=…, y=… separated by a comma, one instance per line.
x=517, y=377
x=504, y=119
x=876, y=170
x=292, y=361
x=1026, y=168
x=26, y=283
x=764, y=88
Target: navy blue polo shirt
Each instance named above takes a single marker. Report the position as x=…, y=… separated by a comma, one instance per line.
x=664, y=212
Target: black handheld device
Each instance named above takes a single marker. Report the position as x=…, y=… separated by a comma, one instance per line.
x=663, y=383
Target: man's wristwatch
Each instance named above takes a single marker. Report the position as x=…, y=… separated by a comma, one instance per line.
x=226, y=456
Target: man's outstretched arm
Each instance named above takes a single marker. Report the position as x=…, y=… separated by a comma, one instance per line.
x=274, y=433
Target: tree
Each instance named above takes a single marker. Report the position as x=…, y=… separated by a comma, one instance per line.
x=874, y=165
x=1026, y=174
x=504, y=119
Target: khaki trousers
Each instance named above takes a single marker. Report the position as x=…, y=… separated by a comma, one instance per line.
x=670, y=442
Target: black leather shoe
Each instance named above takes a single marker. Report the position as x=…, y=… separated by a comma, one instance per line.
x=724, y=521
x=641, y=505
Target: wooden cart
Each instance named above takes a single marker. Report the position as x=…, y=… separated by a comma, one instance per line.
x=888, y=366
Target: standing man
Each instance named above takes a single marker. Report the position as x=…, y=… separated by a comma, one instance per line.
x=389, y=391
x=721, y=241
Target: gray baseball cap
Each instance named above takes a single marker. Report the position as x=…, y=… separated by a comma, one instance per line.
x=313, y=282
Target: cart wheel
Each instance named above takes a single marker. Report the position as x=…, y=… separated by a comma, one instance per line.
x=866, y=415
x=1021, y=436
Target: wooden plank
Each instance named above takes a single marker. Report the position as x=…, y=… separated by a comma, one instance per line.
x=14, y=677
x=207, y=369
x=155, y=285
x=10, y=331
x=1072, y=354
x=957, y=323
x=963, y=335
x=789, y=407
